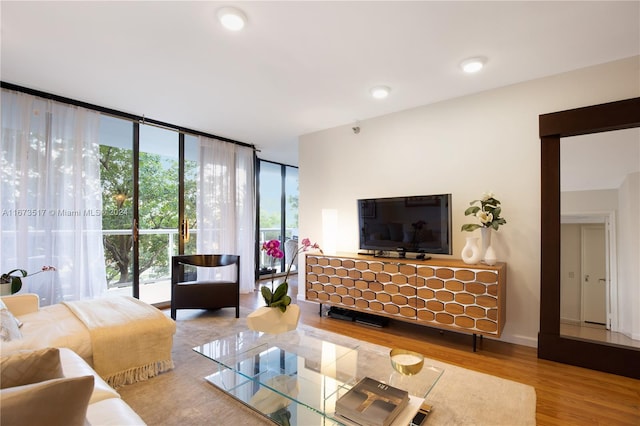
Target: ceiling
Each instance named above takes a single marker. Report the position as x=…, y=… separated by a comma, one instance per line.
x=297, y=67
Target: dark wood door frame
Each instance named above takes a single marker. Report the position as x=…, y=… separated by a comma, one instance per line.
x=551, y=345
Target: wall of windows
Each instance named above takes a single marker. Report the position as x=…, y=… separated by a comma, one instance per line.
x=116, y=196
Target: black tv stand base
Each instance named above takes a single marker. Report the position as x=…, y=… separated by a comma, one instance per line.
x=401, y=255
x=395, y=254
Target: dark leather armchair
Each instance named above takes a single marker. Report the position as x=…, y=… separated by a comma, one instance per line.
x=204, y=294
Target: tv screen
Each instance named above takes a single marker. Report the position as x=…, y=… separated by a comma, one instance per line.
x=419, y=224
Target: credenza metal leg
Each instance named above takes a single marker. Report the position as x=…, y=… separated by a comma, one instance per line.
x=474, y=341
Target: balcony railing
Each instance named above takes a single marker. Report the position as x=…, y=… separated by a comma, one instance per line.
x=163, y=272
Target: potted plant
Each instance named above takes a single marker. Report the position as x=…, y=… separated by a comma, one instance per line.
x=15, y=276
x=488, y=214
x=278, y=314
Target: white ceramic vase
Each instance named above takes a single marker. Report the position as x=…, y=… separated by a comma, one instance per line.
x=490, y=256
x=272, y=320
x=488, y=253
x=471, y=253
x=5, y=289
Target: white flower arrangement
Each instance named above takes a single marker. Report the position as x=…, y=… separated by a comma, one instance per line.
x=488, y=213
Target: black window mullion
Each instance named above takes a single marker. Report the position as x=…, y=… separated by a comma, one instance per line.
x=181, y=202
x=283, y=214
x=136, y=210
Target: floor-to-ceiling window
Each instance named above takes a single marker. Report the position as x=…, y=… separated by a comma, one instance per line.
x=158, y=187
x=157, y=227
x=277, y=213
x=116, y=178
x=291, y=213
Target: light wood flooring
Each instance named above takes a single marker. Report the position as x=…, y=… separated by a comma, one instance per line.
x=598, y=333
x=566, y=395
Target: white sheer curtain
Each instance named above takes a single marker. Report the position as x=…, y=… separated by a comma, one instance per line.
x=225, y=205
x=51, y=197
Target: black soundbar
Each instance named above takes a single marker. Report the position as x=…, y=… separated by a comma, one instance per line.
x=359, y=317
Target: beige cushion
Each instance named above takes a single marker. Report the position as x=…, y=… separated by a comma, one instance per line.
x=74, y=366
x=9, y=329
x=116, y=412
x=22, y=303
x=26, y=367
x=57, y=402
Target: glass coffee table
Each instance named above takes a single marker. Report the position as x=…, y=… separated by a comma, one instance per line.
x=295, y=378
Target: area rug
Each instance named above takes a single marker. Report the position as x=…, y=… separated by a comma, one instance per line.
x=182, y=396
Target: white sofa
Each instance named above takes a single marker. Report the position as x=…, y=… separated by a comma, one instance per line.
x=123, y=339
x=104, y=405
x=28, y=328
x=48, y=327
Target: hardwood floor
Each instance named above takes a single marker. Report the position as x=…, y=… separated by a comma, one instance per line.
x=597, y=332
x=566, y=395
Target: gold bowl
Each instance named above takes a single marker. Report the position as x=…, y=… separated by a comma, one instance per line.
x=406, y=362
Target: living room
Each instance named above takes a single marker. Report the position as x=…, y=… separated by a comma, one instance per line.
x=465, y=144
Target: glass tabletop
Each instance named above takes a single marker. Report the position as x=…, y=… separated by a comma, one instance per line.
x=296, y=377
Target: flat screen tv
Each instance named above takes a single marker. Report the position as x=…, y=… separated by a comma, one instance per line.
x=418, y=224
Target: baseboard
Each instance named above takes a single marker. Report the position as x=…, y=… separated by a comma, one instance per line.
x=569, y=321
x=522, y=340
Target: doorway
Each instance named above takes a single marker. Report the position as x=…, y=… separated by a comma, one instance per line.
x=587, y=285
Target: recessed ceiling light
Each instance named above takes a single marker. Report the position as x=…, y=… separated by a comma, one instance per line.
x=380, y=92
x=472, y=65
x=231, y=18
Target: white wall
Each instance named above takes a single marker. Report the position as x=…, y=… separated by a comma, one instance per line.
x=629, y=257
x=465, y=146
x=595, y=202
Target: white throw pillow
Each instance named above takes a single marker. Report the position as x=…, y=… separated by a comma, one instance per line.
x=9, y=329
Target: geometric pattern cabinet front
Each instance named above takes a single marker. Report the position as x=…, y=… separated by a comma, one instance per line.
x=436, y=292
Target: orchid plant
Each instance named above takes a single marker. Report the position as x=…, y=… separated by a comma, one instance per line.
x=279, y=298
x=16, y=280
x=488, y=213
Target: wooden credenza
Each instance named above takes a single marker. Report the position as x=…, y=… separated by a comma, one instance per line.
x=441, y=293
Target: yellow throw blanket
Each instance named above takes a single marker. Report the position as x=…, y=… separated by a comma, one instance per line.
x=131, y=340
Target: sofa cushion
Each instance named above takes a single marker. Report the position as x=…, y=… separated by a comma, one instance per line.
x=22, y=303
x=113, y=412
x=53, y=326
x=74, y=366
x=26, y=367
x=9, y=329
x=57, y=402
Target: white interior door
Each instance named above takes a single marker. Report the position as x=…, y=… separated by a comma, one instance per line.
x=594, y=284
